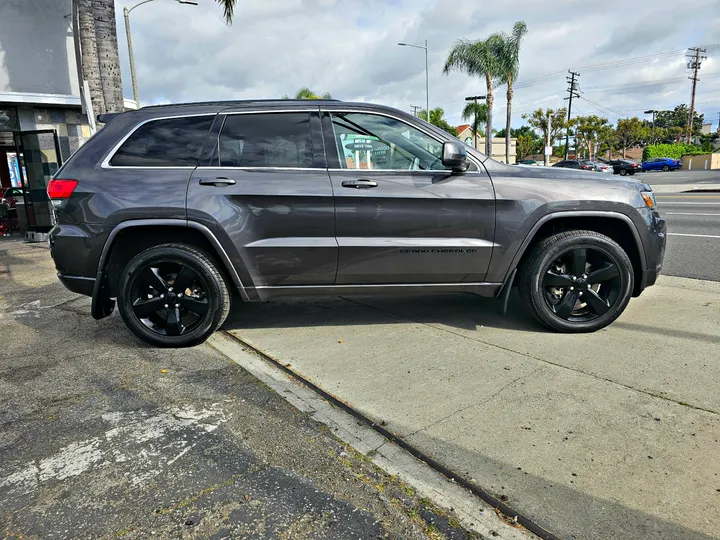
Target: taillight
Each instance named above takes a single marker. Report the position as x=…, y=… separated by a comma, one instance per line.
x=634, y=165
x=59, y=188
x=584, y=166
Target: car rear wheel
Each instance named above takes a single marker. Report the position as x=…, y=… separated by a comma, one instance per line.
x=623, y=172
x=665, y=168
x=173, y=295
x=576, y=281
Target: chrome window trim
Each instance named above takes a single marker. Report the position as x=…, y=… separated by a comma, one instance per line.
x=218, y=168
x=105, y=164
x=399, y=119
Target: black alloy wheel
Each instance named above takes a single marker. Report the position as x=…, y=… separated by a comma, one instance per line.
x=665, y=168
x=581, y=284
x=623, y=172
x=173, y=295
x=169, y=298
x=576, y=281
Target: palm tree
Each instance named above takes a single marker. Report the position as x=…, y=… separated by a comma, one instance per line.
x=509, y=59
x=476, y=113
x=99, y=58
x=479, y=58
x=306, y=93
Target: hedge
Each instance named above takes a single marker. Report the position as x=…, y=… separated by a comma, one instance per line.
x=673, y=151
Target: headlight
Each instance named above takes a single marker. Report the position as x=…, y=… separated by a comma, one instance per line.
x=649, y=198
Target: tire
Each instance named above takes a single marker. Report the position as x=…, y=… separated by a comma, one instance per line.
x=665, y=168
x=550, y=303
x=622, y=172
x=147, y=289
x=631, y=173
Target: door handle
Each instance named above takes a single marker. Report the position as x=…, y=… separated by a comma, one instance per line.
x=220, y=181
x=359, y=184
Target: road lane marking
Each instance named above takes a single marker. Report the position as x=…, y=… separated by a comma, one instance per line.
x=688, y=214
x=695, y=235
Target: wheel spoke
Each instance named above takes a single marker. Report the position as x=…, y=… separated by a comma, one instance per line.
x=199, y=306
x=553, y=279
x=145, y=308
x=564, y=308
x=185, y=278
x=597, y=304
x=173, y=326
x=579, y=258
x=605, y=273
x=152, y=277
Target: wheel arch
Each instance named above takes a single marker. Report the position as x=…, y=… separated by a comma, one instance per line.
x=612, y=224
x=130, y=237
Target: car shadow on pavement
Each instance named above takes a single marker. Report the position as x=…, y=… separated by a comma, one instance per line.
x=559, y=507
x=462, y=311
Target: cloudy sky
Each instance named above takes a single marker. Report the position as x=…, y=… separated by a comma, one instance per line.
x=349, y=48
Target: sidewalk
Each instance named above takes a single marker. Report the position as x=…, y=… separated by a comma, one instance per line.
x=101, y=436
x=609, y=435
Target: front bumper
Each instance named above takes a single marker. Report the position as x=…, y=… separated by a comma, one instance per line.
x=654, y=245
x=78, y=284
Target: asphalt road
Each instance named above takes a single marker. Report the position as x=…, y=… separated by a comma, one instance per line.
x=660, y=178
x=693, y=245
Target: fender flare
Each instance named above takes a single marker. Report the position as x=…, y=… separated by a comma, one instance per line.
x=576, y=213
x=103, y=305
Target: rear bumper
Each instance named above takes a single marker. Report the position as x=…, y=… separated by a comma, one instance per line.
x=78, y=284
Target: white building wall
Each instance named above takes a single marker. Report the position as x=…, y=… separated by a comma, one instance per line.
x=37, y=54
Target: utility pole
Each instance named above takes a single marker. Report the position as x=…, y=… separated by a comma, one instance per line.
x=475, y=100
x=546, y=161
x=694, y=64
x=415, y=109
x=573, y=90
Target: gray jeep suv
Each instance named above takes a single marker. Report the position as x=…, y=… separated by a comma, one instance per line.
x=171, y=209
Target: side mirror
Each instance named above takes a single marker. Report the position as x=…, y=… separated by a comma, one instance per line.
x=455, y=156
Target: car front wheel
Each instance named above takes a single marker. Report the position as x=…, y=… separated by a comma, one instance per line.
x=576, y=281
x=173, y=295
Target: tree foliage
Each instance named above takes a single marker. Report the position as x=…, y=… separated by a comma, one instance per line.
x=538, y=120
x=306, y=93
x=509, y=62
x=630, y=131
x=679, y=117
x=476, y=114
x=479, y=58
x=437, y=119
x=587, y=130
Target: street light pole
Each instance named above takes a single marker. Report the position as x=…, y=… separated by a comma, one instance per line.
x=427, y=74
x=126, y=14
x=652, y=111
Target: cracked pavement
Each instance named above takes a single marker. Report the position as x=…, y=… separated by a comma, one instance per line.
x=103, y=436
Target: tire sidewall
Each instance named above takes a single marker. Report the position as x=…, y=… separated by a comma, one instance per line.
x=622, y=172
x=609, y=249
x=177, y=255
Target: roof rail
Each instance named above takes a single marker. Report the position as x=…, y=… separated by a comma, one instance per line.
x=233, y=102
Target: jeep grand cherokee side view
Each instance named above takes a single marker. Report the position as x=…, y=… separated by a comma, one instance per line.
x=170, y=210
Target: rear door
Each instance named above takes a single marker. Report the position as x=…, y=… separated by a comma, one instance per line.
x=263, y=188
x=401, y=217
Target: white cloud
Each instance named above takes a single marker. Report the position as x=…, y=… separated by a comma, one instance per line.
x=349, y=49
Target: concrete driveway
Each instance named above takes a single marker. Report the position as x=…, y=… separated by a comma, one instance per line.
x=607, y=435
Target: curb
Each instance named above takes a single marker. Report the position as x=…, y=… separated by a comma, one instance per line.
x=474, y=514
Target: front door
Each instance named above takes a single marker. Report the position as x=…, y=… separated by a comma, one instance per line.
x=39, y=158
x=266, y=190
x=401, y=216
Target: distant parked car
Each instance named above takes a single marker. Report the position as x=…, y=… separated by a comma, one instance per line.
x=527, y=162
x=624, y=166
x=602, y=167
x=584, y=164
x=661, y=164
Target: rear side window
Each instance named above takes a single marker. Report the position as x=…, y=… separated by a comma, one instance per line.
x=173, y=142
x=266, y=140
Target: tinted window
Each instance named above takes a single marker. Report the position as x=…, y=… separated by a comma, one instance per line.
x=266, y=140
x=175, y=142
x=371, y=141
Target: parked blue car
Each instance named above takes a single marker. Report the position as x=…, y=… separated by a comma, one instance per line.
x=661, y=164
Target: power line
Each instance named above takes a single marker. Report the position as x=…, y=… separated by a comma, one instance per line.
x=415, y=109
